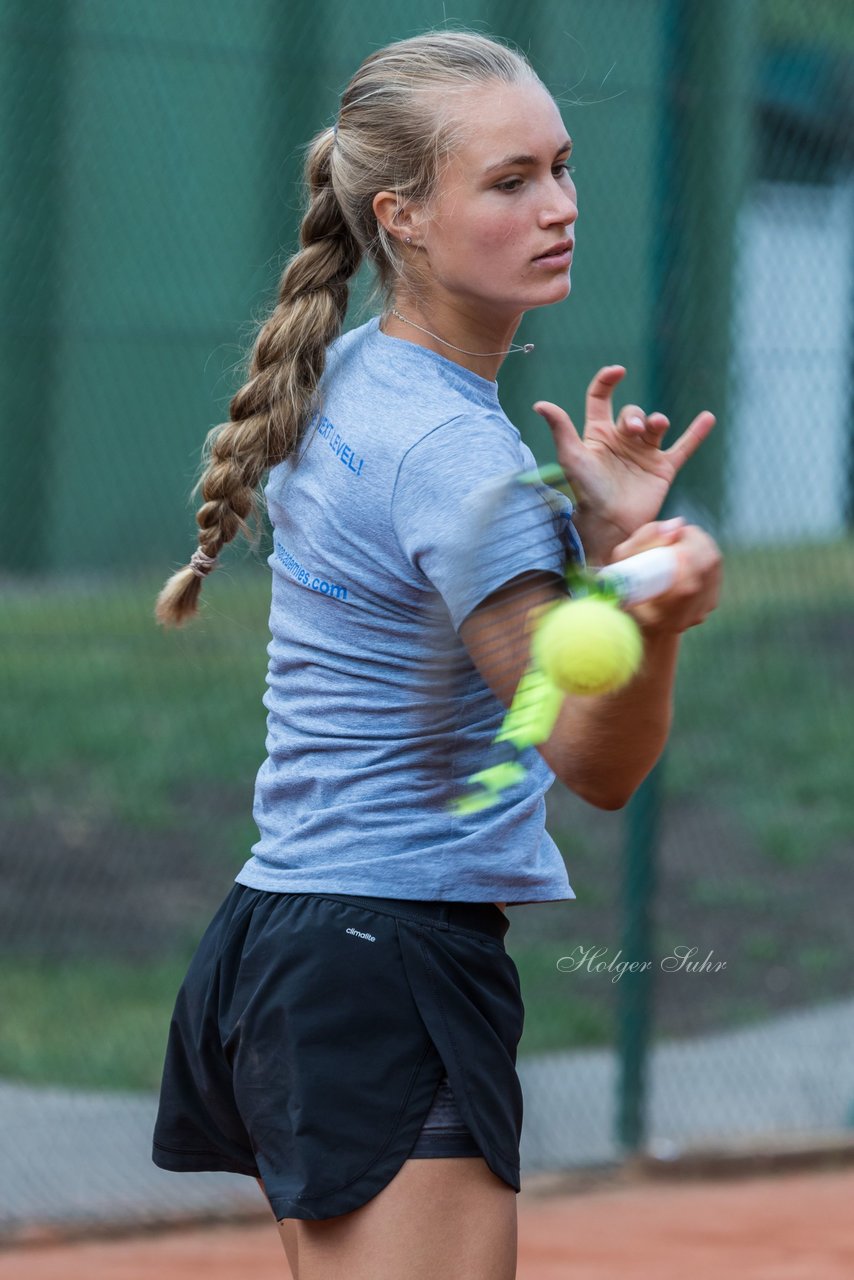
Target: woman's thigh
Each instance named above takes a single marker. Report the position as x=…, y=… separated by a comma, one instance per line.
x=449, y=1217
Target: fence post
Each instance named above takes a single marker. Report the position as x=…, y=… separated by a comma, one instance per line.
x=34, y=110
x=636, y=989
x=706, y=123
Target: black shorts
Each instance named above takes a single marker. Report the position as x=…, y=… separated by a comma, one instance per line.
x=312, y=1034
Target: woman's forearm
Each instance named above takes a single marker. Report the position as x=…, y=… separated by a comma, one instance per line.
x=603, y=747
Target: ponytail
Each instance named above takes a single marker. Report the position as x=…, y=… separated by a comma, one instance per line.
x=395, y=126
x=268, y=413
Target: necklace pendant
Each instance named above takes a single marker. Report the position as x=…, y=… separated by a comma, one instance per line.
x=526, y=349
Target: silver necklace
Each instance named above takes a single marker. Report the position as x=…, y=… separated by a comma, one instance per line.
x=526, y=349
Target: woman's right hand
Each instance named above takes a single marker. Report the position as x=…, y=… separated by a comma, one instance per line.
x=619, y=471
x=696, y=589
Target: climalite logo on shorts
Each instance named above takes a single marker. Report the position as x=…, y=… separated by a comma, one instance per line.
x=369, y=937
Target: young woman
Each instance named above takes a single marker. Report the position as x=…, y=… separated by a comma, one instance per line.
x=347, y=1030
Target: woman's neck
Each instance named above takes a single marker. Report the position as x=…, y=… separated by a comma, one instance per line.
x=453, y=334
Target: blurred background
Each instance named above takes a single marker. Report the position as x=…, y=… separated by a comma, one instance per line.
x=152, y=152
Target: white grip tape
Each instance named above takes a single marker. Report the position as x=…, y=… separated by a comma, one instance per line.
x=643, y=576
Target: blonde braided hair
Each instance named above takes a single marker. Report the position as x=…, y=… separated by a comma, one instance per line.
x=396, y=125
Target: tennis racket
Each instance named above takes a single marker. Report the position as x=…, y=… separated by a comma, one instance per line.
x=523, y=520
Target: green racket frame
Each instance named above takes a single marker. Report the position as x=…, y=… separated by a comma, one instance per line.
x=536, y=704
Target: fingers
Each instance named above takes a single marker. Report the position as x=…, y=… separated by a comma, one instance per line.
x=600, y=391
x=695, y=591
x=691, y=439
x=567, y=440
x=657, y=533
x=632, y=418
x=632, y=421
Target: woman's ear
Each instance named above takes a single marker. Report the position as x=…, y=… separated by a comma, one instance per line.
x=399, y=220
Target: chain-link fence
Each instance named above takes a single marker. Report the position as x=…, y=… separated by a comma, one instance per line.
x=152, y=154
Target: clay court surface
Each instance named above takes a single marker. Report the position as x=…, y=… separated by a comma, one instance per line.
x=788, y=1226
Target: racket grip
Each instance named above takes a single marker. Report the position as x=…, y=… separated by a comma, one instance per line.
x=642, y=576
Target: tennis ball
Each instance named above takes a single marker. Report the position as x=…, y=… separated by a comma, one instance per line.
x=588, y=646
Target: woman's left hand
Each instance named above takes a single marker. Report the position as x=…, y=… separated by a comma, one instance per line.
x=696, y=587
x=618, y=471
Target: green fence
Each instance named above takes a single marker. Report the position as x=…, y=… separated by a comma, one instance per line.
x=152, y=157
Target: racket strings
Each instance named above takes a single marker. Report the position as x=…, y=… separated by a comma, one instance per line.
x=514, y=564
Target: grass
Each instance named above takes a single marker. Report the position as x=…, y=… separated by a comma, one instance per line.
x=735, y=893
x=562, y=1010
x=146, y=715
x=109, y=716
x=762, y=699
x=87, y=1024
x=765, y=702
x=95, y=1025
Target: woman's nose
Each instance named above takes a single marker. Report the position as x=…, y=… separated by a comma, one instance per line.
x=559, y=217
x=564, y=210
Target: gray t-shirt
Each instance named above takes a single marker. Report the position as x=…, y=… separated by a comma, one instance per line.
x=372, y=578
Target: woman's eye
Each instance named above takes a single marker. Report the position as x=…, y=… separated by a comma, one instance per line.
x=513, y=184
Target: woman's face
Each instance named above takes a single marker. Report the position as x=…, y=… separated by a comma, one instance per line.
x=504, y=200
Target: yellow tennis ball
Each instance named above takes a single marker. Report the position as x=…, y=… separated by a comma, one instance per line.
x=588, y=646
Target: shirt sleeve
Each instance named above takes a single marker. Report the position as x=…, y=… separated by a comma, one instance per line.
x=466, y=524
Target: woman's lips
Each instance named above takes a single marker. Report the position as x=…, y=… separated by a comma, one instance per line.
x=559, y=257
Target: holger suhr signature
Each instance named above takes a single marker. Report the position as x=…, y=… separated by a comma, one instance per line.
x=594, y=960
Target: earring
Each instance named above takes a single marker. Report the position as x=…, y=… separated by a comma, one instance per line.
x=407, y=239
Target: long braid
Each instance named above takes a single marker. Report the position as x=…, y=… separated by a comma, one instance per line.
x=269, y=412
x=396, y=124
